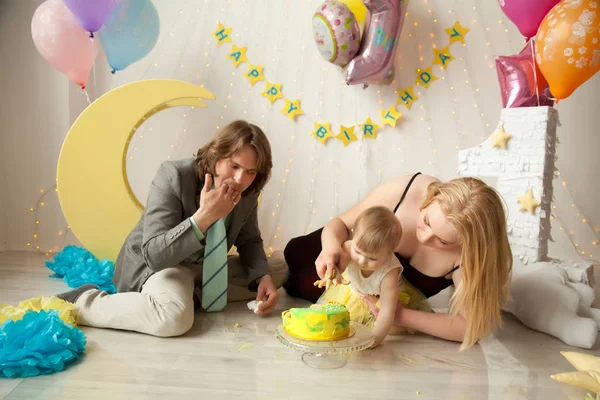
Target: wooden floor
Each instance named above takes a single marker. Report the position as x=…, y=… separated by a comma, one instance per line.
x=216, y=360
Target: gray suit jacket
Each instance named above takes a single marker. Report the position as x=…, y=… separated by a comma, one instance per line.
x=164, y=236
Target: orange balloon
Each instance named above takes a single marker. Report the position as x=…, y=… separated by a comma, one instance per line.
x=568, y=45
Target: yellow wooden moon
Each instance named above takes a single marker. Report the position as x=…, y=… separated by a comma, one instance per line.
x=93, y=189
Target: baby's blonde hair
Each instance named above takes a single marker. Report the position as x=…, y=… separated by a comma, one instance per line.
x=476, y=212
x=377, y=229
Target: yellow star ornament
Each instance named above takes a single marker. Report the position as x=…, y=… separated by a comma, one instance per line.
x=425, y=77
x=390, y=117
x=588, y=371
x=457, y=33
x=222, y=34
x=443, y=57
x=369, y=129
x=322, y=132
x=406, y=97
x=346, y=135
x=255, y=74
x=500, y=138
x=528, y=202
x=273, y=92
x=237, y=55
x=292, y=109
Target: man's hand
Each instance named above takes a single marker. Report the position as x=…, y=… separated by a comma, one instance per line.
x=267, y=293
x=215, y=203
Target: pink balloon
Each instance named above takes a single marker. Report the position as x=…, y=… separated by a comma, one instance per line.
x=374, y=62
x=62, y=41
x=336, y=32
x=527, y=15
x=521, y=81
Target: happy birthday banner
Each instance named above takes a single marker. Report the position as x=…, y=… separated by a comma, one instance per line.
x=322, y=131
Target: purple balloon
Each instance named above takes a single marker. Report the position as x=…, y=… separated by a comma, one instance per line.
x=374, y=62
x=91, y=14
x=521, y=81
x=527, y=15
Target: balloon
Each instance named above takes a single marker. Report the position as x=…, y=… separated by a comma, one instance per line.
x=91, y=14
x=374, y=62
x=357, y=8
x=527, y=14
x=130, y=33
x=62, y=41
x=336, y=32
x=521, y=82
x=568, y=45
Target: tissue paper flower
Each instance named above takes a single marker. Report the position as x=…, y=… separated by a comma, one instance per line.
x=79, y=267
x=38, y=344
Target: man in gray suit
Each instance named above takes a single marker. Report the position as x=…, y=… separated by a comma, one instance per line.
x=157, y=266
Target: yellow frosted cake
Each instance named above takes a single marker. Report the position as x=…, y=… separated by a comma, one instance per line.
x=318, y=322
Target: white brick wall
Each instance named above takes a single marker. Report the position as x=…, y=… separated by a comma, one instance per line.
x=527, y=163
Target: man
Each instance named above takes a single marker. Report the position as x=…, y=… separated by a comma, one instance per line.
x=197, y=209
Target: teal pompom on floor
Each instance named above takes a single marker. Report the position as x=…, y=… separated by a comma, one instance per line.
x=38, y=344
x=77, y=266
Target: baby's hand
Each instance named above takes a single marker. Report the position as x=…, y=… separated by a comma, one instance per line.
x=335, y=279
x=377, y=342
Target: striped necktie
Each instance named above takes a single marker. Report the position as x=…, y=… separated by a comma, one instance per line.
x=214, y=270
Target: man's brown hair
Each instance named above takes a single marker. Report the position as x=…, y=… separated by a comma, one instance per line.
x=230, y=139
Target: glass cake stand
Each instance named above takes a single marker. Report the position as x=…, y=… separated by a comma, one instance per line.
x=328, y=354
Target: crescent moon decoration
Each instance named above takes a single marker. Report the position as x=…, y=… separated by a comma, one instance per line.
x=93, y=188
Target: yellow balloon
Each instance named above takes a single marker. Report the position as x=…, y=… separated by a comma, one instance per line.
x=94, y=192
x=358, y=9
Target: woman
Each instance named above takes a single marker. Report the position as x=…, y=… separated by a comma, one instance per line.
x=454, y=233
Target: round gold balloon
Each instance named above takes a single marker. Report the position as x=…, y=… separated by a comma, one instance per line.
x=93, y=189
x=358, y=9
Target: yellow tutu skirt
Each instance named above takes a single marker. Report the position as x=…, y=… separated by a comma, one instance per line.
x=409, y=296
x=65, y=309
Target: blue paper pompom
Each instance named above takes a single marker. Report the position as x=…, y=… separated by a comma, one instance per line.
x=38, y=344
x=79, y=267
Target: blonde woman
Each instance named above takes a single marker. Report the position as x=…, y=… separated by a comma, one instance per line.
x=454, y=233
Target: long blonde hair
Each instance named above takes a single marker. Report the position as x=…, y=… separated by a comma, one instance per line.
x=476, y=212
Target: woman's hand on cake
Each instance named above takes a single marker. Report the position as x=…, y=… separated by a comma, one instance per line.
x=267, y=293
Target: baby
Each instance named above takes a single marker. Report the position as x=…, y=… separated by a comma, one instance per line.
x=373, y=270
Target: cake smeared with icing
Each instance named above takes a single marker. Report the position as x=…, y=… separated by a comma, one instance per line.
x=318, y=322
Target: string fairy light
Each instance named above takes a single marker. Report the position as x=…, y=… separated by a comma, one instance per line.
x=281, y=193
x=450, y=84
x=571, y=233
x=426, y=117
x=488, y=57
x=34, y=242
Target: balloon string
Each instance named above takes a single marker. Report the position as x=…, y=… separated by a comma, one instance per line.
x=93, y=60
x=87, y=96
x=535, y=80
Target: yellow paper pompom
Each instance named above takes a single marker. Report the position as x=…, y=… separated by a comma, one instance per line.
x=67, y=311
